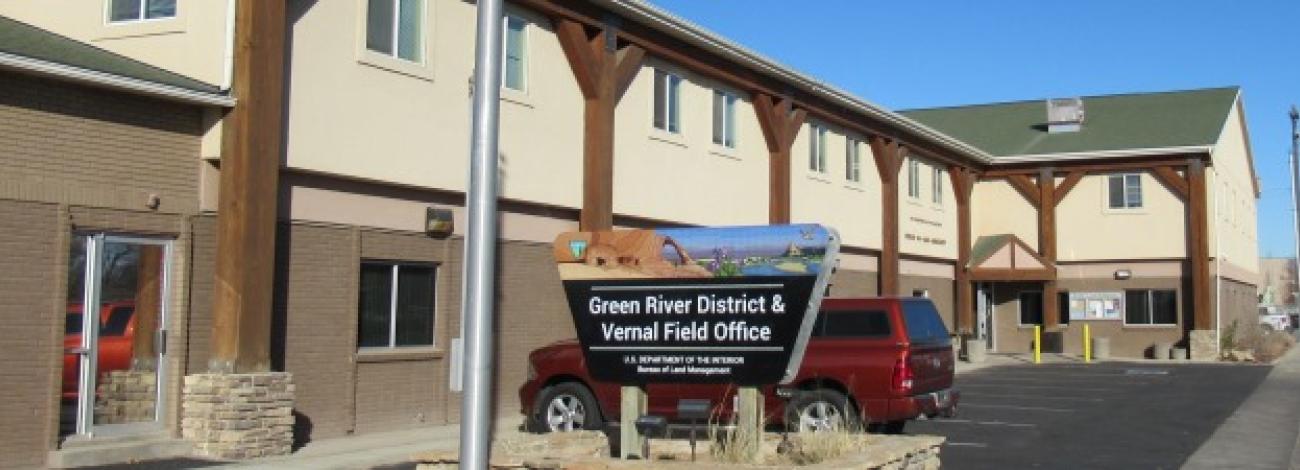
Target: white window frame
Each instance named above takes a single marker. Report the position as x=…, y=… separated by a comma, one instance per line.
x=936, y=186
x=395, y=40
x=1151, y=308
x=727, y=117
x=672, y=101
x=523, y=62
x=392, y=306
x=1124, y=178
x=853, y=160
x=913, y=178
x=817, y=148
x=143, y=4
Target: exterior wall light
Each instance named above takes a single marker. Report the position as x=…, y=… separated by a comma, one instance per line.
x=439, y=223
x=1123, y=274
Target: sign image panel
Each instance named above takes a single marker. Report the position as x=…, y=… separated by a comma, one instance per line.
x=1096, y=305
x=696, y=305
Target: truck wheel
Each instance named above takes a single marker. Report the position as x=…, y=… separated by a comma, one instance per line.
x=566, y=407
x=820, y=410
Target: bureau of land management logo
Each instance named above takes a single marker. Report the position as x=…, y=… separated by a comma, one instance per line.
x=696, y=305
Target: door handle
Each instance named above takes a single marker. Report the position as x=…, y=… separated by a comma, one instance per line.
x=82, y=351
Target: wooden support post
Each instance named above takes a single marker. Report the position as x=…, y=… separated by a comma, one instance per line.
x=780, y=124
x=1198, y=245
x=889, y=157
x=148, y=307
x=1047, y=244
x=633, y=404
x=603, y=72
x=749, y=428
x=963, y=183
x=246, y=215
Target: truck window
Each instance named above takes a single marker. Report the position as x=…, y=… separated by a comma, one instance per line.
x=923, y=323
x=852, y=324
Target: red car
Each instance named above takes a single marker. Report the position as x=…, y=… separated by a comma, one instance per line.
x=116, y=333
x=877, y=362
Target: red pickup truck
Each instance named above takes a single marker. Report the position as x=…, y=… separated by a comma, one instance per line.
x=877, y=362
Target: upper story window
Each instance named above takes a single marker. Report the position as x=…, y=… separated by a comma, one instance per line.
x=139, y=10
x=724, y=119
x=853, y=160
x=914, y=179
x=817, y=148
x=396, y=28
x=515, y=54
x=1125, y=191
x=396, y=305
x=668, y=101
x=936, y=186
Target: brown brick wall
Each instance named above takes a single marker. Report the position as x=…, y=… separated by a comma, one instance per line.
x=1238, y=302
x=940, y=291
x=31, y=310
x=847, y=283
x=1125, y=340
x=409, y=390
x=314, y=325
x=76, y=145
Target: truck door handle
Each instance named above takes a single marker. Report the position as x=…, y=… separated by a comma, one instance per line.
x=81, y=351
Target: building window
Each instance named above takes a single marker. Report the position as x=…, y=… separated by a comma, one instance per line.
x=395, y=28
x=817, y=148
x=853, y=160
x=1125, y=191
x=913, y=179
x=1151, y=307
x=936, y=186
x=922, y=293
x=515, y=54
x=724, y=119
x=138, y=10
x=396, y=305
x=1063, y=306
x=1031, y=308
x=668, y=101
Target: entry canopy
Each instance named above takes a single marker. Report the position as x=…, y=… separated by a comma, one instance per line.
x=696, y=305
x=1006, y=257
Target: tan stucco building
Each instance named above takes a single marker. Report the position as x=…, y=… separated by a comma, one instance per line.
x=362, y=299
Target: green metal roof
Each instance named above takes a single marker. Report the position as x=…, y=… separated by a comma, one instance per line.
x=21, y=39
x=1113, y=122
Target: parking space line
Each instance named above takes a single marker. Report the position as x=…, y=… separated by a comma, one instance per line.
x=966, y=444
x=1128, y=380
x=1035, y=397
x=985, y=423
x=964, y=386
x=1017, y=407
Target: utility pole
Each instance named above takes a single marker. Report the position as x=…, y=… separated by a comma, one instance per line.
x=475, y=424
x=1295, y=191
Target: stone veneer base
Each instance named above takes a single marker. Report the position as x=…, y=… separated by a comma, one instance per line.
x=1204, y=345
x=238, y=416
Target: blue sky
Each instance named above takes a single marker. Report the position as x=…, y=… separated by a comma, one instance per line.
x=942, y=53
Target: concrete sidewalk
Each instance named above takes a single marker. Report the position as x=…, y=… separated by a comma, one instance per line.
x=1263, y=433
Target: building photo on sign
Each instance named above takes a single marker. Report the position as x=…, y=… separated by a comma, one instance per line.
x=697, y=305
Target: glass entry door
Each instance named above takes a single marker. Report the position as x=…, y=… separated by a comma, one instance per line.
x=114, y=341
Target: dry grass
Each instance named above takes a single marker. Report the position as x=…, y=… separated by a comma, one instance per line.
x=1272, y=345
x=811, y=448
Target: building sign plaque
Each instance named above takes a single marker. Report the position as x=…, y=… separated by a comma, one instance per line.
x=696, y=305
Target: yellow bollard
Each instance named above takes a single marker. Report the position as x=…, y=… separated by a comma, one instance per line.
x=1038, y=344
x=1087, y=344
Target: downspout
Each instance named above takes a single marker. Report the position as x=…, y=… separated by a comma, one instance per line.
x=228, y=58
x=1218, y=274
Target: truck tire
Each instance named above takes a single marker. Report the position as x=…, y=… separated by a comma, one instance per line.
x=820, y=410
x=566, y=407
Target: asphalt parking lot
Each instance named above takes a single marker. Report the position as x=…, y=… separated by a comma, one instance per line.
x=1074, y=415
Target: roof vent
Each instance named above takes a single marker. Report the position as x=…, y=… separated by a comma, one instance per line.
x=1064, y=115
